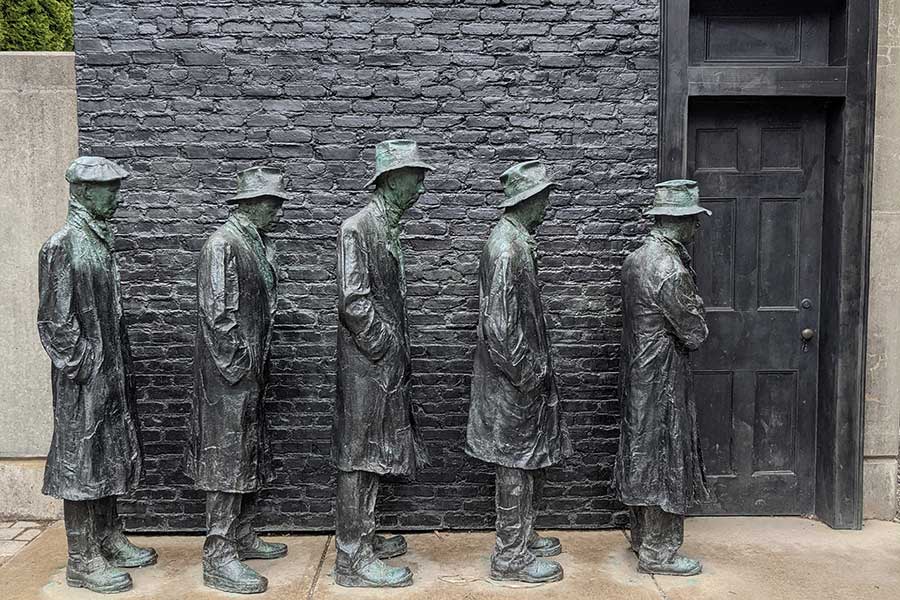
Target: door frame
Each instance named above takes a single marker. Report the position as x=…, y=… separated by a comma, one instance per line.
x=850, y=92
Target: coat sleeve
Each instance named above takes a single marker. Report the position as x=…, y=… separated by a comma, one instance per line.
x=372, y=334
x=682, y=306
x=504, y=318
x=217, y=299
x=59, y=325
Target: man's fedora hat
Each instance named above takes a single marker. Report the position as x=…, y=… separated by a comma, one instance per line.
x=94, y=169
x=257, y=182
x=391, y=155
x=524, y=180
x=677, y=198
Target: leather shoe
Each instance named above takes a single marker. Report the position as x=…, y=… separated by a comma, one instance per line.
x=545, y=546
x=680, y=566
x=389, y=547
x=262, y=549
x=235, y=577
x=98, y=576
x=120, y=552
x=539, y=571
x=375, y=574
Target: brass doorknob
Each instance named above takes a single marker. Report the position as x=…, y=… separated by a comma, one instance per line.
x=807, y=334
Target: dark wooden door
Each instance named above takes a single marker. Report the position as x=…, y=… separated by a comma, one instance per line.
x=760, y=169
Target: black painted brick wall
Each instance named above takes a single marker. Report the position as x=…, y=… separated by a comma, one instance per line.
x=187, y=92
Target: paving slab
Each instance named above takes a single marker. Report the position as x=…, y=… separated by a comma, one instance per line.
x=791, y=558
x=9, y=548
x=10, y=533
x=38, y=571
x=28, y=534
x=744, y=559
x=598, y=565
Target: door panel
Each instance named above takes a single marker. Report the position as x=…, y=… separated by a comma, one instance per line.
x=760, y=169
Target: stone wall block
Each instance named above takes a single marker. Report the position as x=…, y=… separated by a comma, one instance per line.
x=311, y=87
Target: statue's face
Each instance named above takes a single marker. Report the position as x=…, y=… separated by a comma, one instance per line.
x=688, y=228
x=682, y=228
x=265, y=212
x=100, y=198
x=405, y=185
x=535, y=208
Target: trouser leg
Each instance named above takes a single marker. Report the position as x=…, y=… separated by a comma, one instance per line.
x=637, y=517
x=662, y=534
x=223, y=511
x=515, y=519
x=107, y=517
x=81, y=532
x=355, y=519
x=539, y=477
x=244, y=533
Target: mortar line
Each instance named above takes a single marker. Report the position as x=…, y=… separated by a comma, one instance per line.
x=315, y=581
x=662, y=594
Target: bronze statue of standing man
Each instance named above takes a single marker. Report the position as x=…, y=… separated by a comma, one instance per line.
x=515, y=416
x=95, y=454
x=374, y=430
x=230, y=457
x=659, y=471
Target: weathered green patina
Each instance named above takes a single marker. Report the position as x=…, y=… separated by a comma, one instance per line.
x=374, y=427
x=515, y=416
x=230, y=456
x=95, y=453
x=659, y=471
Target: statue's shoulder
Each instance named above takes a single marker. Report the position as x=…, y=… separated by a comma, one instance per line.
x=653, y=260
x=223, y=239
x=506, y=244
x=62, y=240
x=358, y=222
x=506, y=237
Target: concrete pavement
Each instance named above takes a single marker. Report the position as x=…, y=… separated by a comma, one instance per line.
x=744, y=559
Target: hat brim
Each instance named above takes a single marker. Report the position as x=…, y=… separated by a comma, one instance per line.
x=409, y=165
x=250, y=195
x=678, y=211
x=109, y=179
x=522, y=196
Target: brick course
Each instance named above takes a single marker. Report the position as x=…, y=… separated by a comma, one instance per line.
x=187, y=92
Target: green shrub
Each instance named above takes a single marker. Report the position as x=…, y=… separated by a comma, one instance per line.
x=32, y=25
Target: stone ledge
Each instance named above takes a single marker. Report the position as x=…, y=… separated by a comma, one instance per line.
x=21, y=498
x=32, y=72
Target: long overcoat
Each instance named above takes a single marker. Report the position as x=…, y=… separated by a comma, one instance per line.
x=96, y=448
x=236, y=299
x=659, y=461
x=515, y=415
x=374, y=426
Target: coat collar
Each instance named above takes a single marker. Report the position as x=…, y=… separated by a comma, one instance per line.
x=379, y=210
x=82, y=217
x=246, y=227
x=674, y=245
x=524, y=233
x=381, y=213
x=254, y=238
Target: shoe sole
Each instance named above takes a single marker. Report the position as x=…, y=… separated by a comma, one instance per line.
x=546, y=552
x=527, y=579
x=78, y=583
x=648, y=571
x=359, y=582
x=225, y=585
x=260, y=556
x=135, y=565
x=388, y=555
